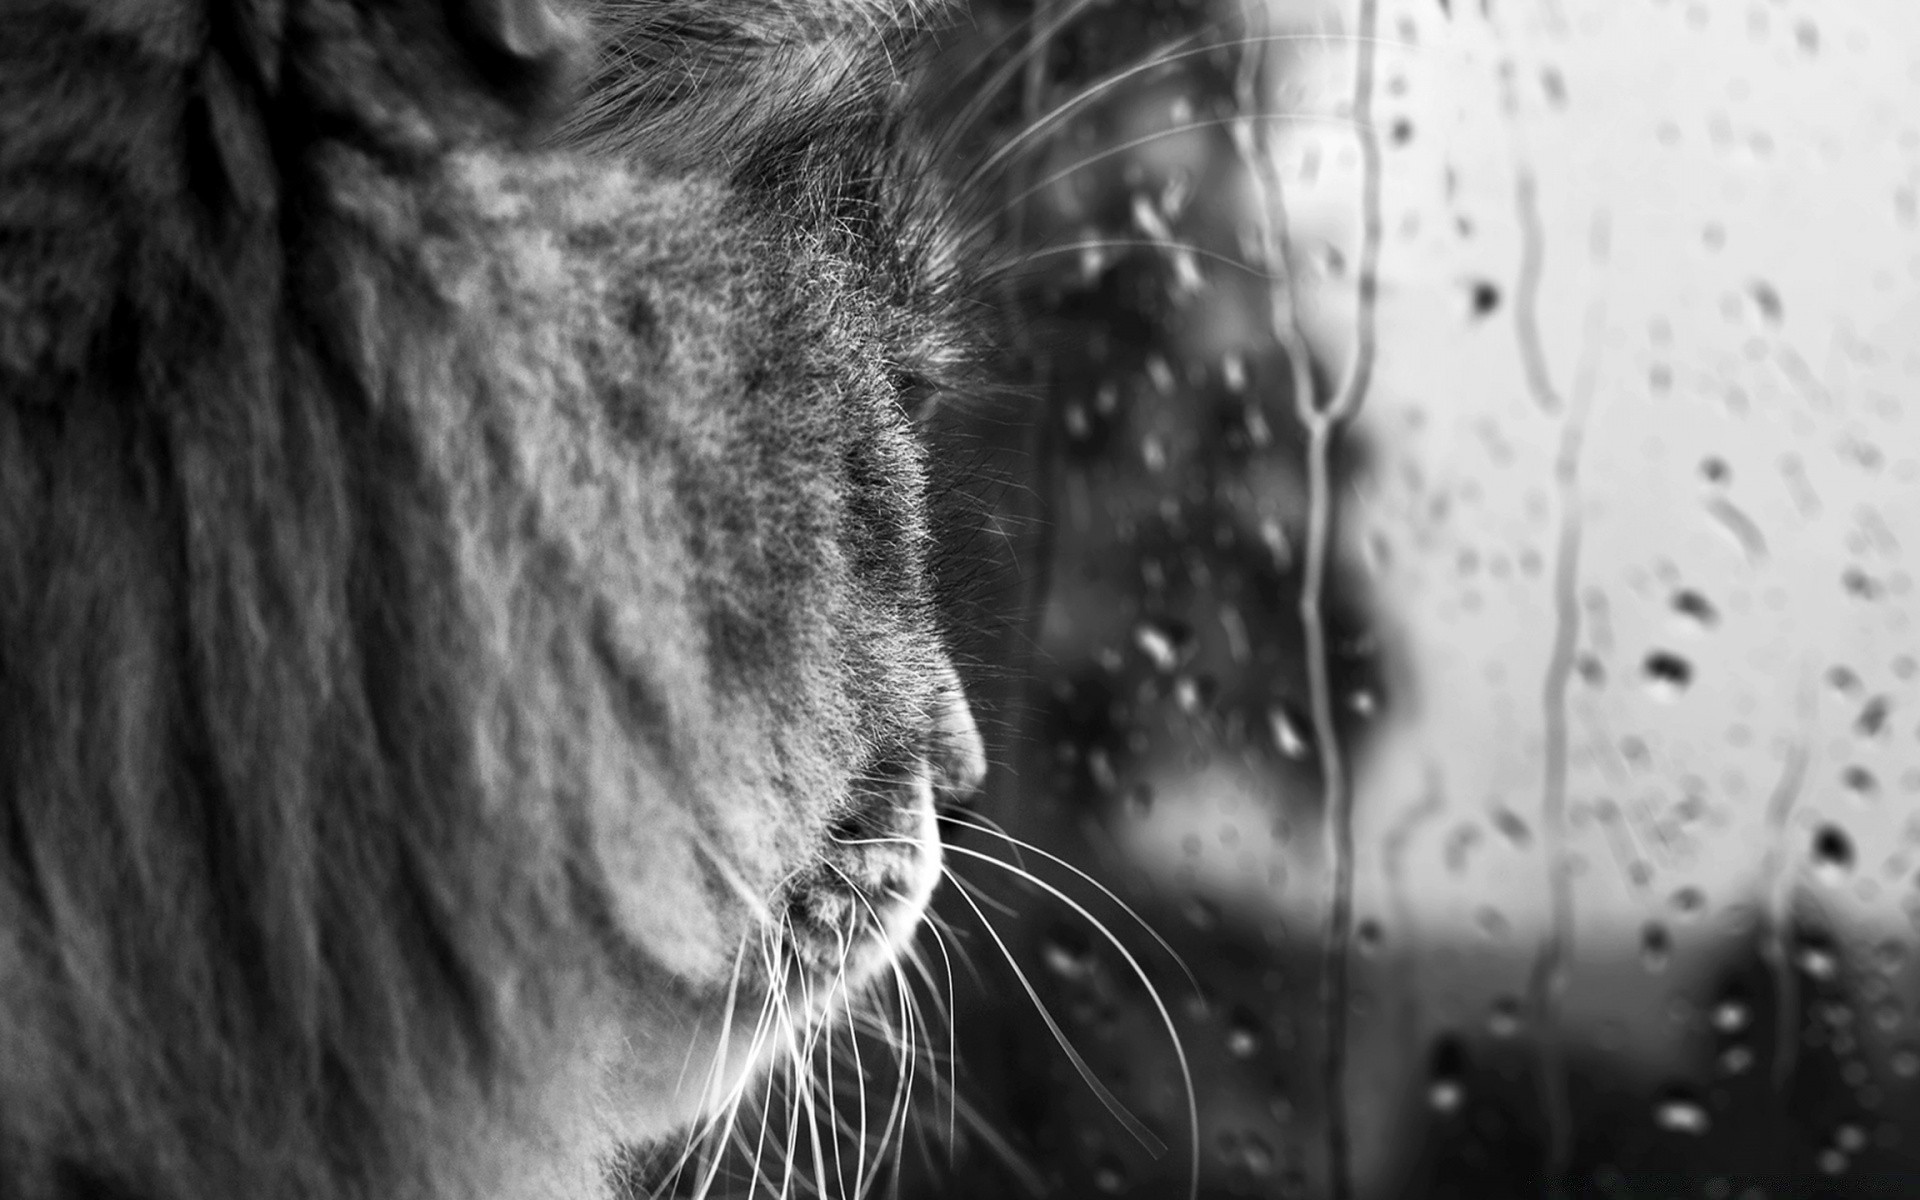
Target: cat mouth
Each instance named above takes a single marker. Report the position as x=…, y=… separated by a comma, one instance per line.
x=854, y=916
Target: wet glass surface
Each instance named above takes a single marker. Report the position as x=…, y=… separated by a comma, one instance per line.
x=1449, y=642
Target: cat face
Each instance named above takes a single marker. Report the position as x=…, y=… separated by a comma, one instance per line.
x=746, y=295
x=787, y=295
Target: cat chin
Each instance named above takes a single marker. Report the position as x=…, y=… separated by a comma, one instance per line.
x=900, y=921
x=889, y=888
x=880, y=888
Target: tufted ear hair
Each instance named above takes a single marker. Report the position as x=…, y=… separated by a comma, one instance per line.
x=683, y=82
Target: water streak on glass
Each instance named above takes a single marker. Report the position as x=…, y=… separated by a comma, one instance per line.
x=1552, y=962
x=1777, y=875
x=1323, y=424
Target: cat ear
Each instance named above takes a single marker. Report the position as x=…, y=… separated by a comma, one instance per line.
x=531, y=53
x=526, y=31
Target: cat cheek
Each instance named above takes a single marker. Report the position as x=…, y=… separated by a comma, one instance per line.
x=659, y=897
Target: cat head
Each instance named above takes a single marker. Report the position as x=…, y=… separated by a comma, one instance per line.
x=470, y=666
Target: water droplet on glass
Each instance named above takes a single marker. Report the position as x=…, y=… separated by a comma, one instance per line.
x=1697, y=608
x=1484, y=297
x=1289, y=732
x=1656, y=946
x=1817, y=960
x=1679, y=1112
x=1110, y=1175
x=1369, y=937
x=1906, y=1061
x=1233, y=373
x=1066, y=955
x=1257, y=1155
x=1889, y=955
x=1160, y=374
x=1153, y=452
x=1668, y=675
x=1730, y=1016
x=1503, y=1018
x=1446, y=1069
x=1202, y=914
x=1100, y=770
x=1164, y=643
x=1243, y=1034
x=1832, y=854
x=1736, y=1059
x=1512, y=826
x=1492, y=923
x=1688, y=901
x=1873, y=717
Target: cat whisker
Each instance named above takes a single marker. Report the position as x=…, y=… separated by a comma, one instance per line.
x=953, y=945
x=730, y=874
x=1153, y=993
x=697, y=1136
x=860, y=1134
x=1010, y=1157
x=1109, y=82
x=805, y=1047
x=985, y=825
x=773, y=1017
x=860, y=1076
x=1038, y=39
x=722, y=1126
x=1163, y=244
x=904, y=1044
x=1147, y=139
x=796, y=1084
x=909, y=1054
x=1113, y=1105
x=918, y=961
x=933, y=926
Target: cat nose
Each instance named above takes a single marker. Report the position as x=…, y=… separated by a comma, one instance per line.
x=955, y=752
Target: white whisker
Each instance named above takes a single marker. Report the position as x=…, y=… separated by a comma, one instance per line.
x=1018, y=845
x=1120, y=1112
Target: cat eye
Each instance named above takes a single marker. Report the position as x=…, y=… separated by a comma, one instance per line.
x=913, y=392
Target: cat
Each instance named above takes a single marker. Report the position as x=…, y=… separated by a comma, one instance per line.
x=470, y=692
